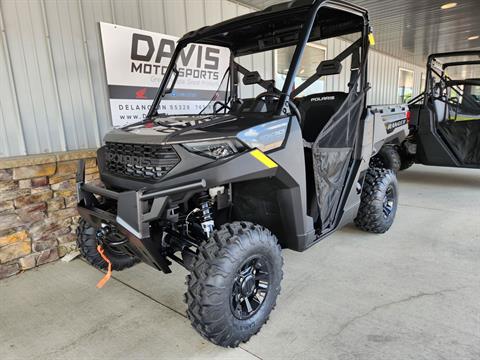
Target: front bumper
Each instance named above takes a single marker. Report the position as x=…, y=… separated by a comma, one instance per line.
x=135, y=211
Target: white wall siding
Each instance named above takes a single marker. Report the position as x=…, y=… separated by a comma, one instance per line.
x=11, y=134
x=383, y=77
x=33, y=79
x=382, y=74
x=53, y=93
x=93, y=13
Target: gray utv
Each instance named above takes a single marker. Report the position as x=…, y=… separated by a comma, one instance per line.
x=445, y=124
x=222, y=191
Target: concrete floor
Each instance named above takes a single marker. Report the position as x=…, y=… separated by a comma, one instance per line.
x=412, y=293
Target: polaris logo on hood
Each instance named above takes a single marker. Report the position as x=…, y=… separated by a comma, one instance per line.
x=323, y=98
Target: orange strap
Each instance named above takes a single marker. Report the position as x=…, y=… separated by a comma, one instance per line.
x=107, y=276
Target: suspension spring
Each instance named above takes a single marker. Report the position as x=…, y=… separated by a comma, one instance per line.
x=206, y=209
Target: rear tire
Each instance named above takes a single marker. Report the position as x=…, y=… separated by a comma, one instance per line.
x=87, y=245
x=406, y=160
x=379, y=200
x=387, y=158
x=234, y=283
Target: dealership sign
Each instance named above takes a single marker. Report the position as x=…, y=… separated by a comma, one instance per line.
x=136, y=61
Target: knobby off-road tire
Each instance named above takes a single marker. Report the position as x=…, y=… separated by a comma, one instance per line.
x=215, y=283
x=87, y=245
x=379, y=200
x=387, y=158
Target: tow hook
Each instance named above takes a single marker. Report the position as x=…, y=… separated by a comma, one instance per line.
x=103, y=232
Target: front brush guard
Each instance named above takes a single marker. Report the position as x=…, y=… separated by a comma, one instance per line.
x=135, y=211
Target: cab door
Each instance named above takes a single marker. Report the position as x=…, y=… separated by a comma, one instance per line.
x=458, y=122
x=333, y=157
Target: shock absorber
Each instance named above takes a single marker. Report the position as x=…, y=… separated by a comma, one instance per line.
x=206, y=209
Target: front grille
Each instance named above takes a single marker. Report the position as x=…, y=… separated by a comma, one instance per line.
x=140, y=161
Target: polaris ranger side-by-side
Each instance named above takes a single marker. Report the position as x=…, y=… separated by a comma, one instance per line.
x=444, y=126
x=445, y=121
x=222, y=191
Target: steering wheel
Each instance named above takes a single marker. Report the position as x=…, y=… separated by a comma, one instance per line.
x=222, y=106
x=292, y=105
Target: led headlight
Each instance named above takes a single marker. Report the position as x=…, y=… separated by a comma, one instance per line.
x=266, y=136
x=216, y=149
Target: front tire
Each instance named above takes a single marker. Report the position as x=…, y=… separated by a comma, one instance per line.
x=234, y=283
x=379, y=201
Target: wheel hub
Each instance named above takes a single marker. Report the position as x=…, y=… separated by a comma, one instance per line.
x=388, y=202
x=250, y=288
x=248, y=285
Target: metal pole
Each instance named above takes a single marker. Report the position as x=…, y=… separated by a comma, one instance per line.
x=297, y=57
x=163, y=84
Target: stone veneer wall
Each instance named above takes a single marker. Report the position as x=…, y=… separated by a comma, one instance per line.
x=38, y=215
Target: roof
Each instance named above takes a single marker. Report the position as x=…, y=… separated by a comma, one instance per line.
x=279, y=26
x=411, y=30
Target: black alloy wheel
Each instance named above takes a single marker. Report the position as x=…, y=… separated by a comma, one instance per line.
x=378, y=201
x=389, y=201
x=250, y=288
x=234, y=283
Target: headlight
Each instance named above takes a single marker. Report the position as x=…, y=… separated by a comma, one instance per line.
x=266, y=136
x=216, y=149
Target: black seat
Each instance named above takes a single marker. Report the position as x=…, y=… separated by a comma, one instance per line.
x=316, y=110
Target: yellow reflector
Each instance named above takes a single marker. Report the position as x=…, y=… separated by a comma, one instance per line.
x=264, y=159
x=371, y=39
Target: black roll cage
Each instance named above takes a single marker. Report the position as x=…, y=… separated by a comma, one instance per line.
x=431, y=70
x=358, y=67
x=326, y=67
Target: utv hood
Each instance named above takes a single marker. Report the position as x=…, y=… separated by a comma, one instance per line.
x=177, y=129
x=253, y=129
